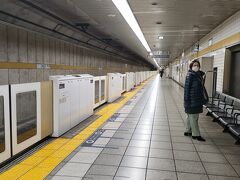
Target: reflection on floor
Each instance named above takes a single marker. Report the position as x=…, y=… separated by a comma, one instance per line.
x=144, y=140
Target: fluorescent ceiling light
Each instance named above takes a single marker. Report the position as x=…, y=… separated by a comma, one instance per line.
x=155, y=62
x=160, y=37
x=148, y=12
x=195, y=28
x=111, y=15
x=125, y=10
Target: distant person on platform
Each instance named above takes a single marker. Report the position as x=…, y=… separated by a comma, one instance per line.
x=161, y=72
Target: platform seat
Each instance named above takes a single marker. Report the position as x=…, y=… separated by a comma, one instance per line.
x=226, y=106
x=235, y=130
x=213, y=101
x=218, y=105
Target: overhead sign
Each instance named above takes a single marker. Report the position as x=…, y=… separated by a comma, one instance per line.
x=162, y=56
x=160, y=52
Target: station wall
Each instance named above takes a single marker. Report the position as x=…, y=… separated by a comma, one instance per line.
x=225, y=35
x=21, y=50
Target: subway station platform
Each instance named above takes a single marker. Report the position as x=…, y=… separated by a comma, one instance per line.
x=142, y=139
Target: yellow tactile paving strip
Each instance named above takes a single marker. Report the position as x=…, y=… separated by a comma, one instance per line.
x=41, y=163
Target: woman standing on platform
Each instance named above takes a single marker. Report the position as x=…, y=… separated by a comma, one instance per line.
x=194, y=98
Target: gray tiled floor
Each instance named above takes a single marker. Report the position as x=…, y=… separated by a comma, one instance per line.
x=131, y=173
x=146, y=142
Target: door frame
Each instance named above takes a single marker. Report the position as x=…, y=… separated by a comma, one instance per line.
x=6, y=154
x=20, y=88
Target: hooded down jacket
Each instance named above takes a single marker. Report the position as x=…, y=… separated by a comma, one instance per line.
x=193, y=92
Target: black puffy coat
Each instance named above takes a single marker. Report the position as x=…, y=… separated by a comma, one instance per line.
x=193, y=92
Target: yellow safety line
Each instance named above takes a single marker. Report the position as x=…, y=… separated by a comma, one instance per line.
x=42, y=162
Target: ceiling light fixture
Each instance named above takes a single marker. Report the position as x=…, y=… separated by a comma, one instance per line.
x=195, y=28
x=125, y=10
x=111, y=15
x=149, y=12
x=160, y=37
x=156, y=62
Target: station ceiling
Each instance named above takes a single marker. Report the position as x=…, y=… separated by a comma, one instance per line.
x=99, y=23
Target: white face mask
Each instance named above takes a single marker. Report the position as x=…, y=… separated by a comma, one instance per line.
x=195, y=68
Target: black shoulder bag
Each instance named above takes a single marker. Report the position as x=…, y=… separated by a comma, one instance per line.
x=205, y=94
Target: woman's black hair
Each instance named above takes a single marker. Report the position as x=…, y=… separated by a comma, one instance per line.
x=195, y=60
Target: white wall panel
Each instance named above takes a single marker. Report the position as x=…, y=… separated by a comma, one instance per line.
x=3, y=42
x=219, y=63
x=230, y=27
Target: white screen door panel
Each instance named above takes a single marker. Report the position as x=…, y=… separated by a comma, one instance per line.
x=5, y=151
x=26, y=115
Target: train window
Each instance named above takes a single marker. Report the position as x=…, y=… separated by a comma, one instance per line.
x=2, y=128
x=96, y=92
x=102, y=90
x=26, y=115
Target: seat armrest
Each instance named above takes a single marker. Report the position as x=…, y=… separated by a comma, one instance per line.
x=236, y=115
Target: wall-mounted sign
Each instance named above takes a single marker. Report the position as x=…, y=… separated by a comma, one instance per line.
x=196, y=47
x=210, y=42
x=43, y=66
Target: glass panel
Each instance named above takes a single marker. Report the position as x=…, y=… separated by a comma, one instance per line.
x=26, y=115
x=2, y=130
x=215, y=71
x=123, y=83
x=102, y=90
x=96, y=92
